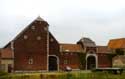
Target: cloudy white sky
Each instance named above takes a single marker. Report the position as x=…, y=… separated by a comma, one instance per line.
x=69, y=20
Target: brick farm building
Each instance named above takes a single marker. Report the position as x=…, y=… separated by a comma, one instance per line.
x=35, y=49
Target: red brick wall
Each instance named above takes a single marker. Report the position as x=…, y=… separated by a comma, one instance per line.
x=104, y=61
x=7, y=52
x=73, y=60
x=53, y=45
x=31, y=47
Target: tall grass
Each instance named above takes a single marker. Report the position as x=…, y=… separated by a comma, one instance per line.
x=65, y=75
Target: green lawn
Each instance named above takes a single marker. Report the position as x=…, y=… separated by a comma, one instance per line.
x=64, y=75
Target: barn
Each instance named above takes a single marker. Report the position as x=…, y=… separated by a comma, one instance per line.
x=35, y=49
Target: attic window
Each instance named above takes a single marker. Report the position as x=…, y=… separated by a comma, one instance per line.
x=51, y=40
x=25, y=37
x=33, y=27
x=38, y=38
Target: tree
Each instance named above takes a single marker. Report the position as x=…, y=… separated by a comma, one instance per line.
x=82, y=60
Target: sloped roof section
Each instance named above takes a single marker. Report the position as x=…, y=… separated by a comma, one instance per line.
x=71, y=48
x=27, y=27
x=117, y=43
x=102, y=49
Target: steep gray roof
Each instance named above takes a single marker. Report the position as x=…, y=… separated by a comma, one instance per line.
x=87, y=42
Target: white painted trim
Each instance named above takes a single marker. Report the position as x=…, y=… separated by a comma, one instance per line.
x=12, y=48
x=57, y=61
x=96, y=58
x=84, y=49
x=28, y=71
x=47, y=48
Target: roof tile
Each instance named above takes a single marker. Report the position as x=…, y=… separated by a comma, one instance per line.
x=116, y=43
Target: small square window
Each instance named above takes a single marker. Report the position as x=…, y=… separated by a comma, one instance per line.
x=45, y=28
x=33, y=27
x=38, y=38
x=51, y=40
x=25, y=37
x=65, y=61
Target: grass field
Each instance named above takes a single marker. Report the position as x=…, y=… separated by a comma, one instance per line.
x=64, y=75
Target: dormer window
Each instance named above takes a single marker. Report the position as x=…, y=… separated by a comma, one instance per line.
x=38, y=38
x=25, y=37
x=33, y=27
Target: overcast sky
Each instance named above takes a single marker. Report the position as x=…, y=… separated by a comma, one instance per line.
x=69, y=20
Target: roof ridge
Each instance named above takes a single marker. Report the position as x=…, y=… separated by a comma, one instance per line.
x=39, y=19
x=117, y=39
